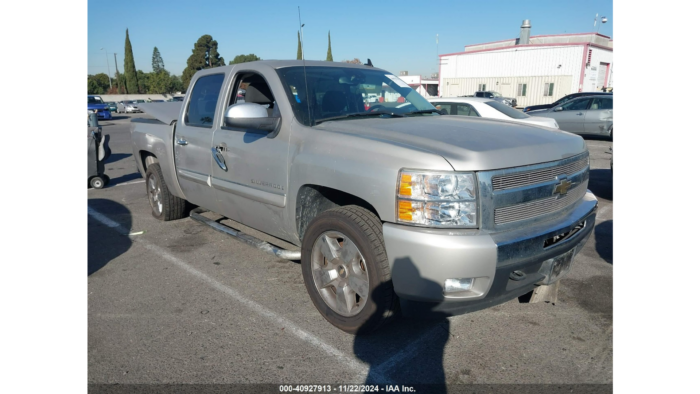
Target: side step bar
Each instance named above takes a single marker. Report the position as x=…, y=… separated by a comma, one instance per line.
x=249, y=239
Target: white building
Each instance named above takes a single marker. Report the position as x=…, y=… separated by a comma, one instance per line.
x=425, y=87
x=538, y=72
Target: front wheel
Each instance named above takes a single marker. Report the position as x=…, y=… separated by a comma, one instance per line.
x=164, y=205
x=346, y=271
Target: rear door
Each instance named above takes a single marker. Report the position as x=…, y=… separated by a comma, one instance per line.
x=599, y=116
x=193, y=139
x=572, y=116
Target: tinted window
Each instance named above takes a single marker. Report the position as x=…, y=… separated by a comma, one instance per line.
x=507, y=110
x=576, y=105
x=602, y=103
x=95, y=100
x=466, y=110
x=202, y=105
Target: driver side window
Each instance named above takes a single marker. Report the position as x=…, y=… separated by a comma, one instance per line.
x=576, y=105
x=252, y=88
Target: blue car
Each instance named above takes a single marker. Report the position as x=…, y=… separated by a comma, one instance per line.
x=95, y=103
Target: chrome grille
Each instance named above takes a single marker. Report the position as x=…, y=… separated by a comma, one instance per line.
x=539, y=207
x=520, y=179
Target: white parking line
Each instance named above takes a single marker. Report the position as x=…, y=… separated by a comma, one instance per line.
x=360, y=368
x=131, y=183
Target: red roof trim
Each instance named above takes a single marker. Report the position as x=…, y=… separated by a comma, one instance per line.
x=530, y=46
x=543, y=35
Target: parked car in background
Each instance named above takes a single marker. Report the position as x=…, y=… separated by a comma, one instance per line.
x=561, y=101
x=96, y=104
x=157, y=101
x=127, y=106
x=584, y=115
x=112, y=106
x=488, y=108
x=498, y=97
x=140, y=101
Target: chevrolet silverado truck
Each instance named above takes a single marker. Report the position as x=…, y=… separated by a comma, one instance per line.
x=396, y=208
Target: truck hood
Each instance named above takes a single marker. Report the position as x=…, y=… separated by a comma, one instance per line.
x=468, y=143
x=165, y=112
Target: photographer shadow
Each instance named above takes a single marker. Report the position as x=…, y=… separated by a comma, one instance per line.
x=411, y=351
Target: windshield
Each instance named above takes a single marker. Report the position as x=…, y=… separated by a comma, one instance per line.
x=506, y=110
x=496, y=94
x=341, y=92
x=95, y=100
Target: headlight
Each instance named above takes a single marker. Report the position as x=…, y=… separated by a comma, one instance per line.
x=441, y=199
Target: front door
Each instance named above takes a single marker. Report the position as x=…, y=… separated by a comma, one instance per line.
x=573, y=115
x=193, y=138
x=251, y=184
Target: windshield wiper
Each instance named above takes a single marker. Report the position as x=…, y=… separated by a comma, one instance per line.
x=424, y=111
x=359, y=114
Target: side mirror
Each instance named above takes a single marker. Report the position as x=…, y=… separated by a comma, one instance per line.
x=250, y=116
x=557, y=109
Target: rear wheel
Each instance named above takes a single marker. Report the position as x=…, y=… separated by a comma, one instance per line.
x=346, y=271
x=164, y=205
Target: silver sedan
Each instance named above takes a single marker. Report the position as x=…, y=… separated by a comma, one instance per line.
x=584, y=115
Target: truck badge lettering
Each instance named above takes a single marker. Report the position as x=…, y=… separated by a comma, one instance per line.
x=268, y=184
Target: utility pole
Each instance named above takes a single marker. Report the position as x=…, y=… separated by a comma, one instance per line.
x=108, y=72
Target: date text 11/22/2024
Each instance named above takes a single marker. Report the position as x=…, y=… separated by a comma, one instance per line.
x=347, y=388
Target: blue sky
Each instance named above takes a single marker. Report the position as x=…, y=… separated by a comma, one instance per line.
x=395, y=35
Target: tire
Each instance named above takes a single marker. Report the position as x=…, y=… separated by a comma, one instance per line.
x=164, y=206
x=97, y=182
x=340, y=233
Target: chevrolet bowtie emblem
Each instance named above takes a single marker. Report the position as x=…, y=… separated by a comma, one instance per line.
x=562, y=187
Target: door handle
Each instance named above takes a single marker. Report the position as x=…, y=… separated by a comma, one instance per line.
x=181, y=141
x=580, y=113
x=219, y=158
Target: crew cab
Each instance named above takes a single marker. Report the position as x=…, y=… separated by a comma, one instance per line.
x=396, y=208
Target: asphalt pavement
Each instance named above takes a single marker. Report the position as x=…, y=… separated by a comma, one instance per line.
x=177, y=302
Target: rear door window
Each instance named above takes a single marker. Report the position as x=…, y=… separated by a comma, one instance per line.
x=203, y=100
x=447, y=107
x=466, y=110
x=602, y=103
x=576, y=105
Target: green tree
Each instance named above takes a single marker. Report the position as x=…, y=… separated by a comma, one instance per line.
x=244, y=59
x=159, y=82
x=157, y=61
x=298, y=47
x=144, y=81
x=204, y=55
x=175, y=84
x=329, y=54
x=98, y=84
x=132, y=82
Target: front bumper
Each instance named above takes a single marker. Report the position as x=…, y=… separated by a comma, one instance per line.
x=421, y=259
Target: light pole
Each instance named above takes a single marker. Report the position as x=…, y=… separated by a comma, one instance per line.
x=602, y=20
x=108, y=72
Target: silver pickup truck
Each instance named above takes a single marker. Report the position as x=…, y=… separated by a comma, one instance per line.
x=396, y=207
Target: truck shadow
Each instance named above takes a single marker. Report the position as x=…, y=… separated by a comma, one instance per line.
x=114, y=157
x=604, y=240
x=600, y=182
x=124, y=179
x=409, y=351
x=105, y=243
